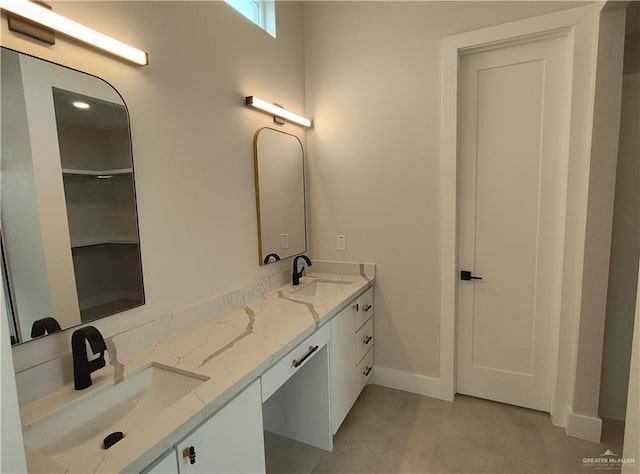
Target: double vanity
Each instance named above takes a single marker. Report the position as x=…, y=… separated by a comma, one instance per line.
x=292, y=362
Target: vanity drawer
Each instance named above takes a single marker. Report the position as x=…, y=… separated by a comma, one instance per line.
x=364, y=371
x=364, y=308
x=364, y=339
x=277, y=375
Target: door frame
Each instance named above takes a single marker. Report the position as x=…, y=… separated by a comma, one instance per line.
x=580, y=27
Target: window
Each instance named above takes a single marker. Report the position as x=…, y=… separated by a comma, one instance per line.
x=261, y=12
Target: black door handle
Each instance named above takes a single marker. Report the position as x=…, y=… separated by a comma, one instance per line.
x=467, y=276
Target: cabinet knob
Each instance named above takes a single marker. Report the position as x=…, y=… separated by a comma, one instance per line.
x=190, y=453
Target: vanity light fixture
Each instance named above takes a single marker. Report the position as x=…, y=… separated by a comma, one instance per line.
x=42, y=16
x=277, y=111
x=78, y=104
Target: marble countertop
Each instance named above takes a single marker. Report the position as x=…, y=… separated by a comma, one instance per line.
x=232, y=350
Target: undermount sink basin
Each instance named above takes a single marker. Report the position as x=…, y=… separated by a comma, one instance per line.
x=81, y=425
x=322, y=288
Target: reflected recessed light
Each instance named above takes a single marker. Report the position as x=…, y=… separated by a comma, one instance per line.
x=80, y=105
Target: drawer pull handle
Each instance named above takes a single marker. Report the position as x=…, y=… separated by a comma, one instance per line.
x=367, y=340
x=298, y=362
x=190, y=453
x=367, y=371
x=367, y=307
x=356, y=307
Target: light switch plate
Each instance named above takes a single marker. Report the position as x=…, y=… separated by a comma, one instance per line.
x=284, y=241
x=341, y=242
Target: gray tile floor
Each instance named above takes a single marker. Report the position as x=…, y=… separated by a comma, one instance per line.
x=390, y=431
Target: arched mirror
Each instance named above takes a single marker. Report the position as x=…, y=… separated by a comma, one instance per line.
x=280, y=195
x=70, y=245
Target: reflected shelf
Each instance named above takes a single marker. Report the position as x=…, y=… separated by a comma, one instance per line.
x=112, y=239
x=110, y=307
x=98, y=174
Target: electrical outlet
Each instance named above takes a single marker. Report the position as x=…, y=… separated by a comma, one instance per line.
x=284, y=241
x=341, y=242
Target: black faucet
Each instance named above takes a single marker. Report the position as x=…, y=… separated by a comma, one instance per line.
x=45, y=326
x=82, y=367
x=297, y=274
x=273, y=256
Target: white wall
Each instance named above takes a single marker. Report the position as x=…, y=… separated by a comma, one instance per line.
x=192, y=142
x=632, y=53
x=625, y=251
x=625, y=244
x=632, y=40
x=632, y=427
x=602, y=179
x=20, y=219
x=12, y=459
x=373, y=89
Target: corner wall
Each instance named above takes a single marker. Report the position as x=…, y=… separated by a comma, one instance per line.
x=625, y=250
x=584, y=421
x=632, y=429
x=625, y=242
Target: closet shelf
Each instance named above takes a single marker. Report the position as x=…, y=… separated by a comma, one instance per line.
x=113, y=239
x=104, y=174
x=111, y=307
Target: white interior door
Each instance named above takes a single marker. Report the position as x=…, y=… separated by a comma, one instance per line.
x=513, y=162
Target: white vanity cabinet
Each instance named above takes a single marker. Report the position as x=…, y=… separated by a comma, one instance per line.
x=351, y=355
x=296, y=393
x=165, y=464
x=363, y=308
x=231, y=441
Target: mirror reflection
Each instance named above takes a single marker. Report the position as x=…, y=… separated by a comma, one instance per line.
x=70, y=243
x=280, y=197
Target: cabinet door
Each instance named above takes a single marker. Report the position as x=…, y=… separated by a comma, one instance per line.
x=364, y=371
x=166, y=464
x=231, y=441
x=364, y=340
x=364, y=308
x=342, y=361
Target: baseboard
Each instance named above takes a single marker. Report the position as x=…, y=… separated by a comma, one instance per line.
x=612, y=418
x=584, y=427
x=420, y=384
x=560, y=416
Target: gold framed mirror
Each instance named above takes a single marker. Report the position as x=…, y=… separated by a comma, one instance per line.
x=280, y=195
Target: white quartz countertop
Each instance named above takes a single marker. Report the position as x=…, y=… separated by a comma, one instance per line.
x=232, y=350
